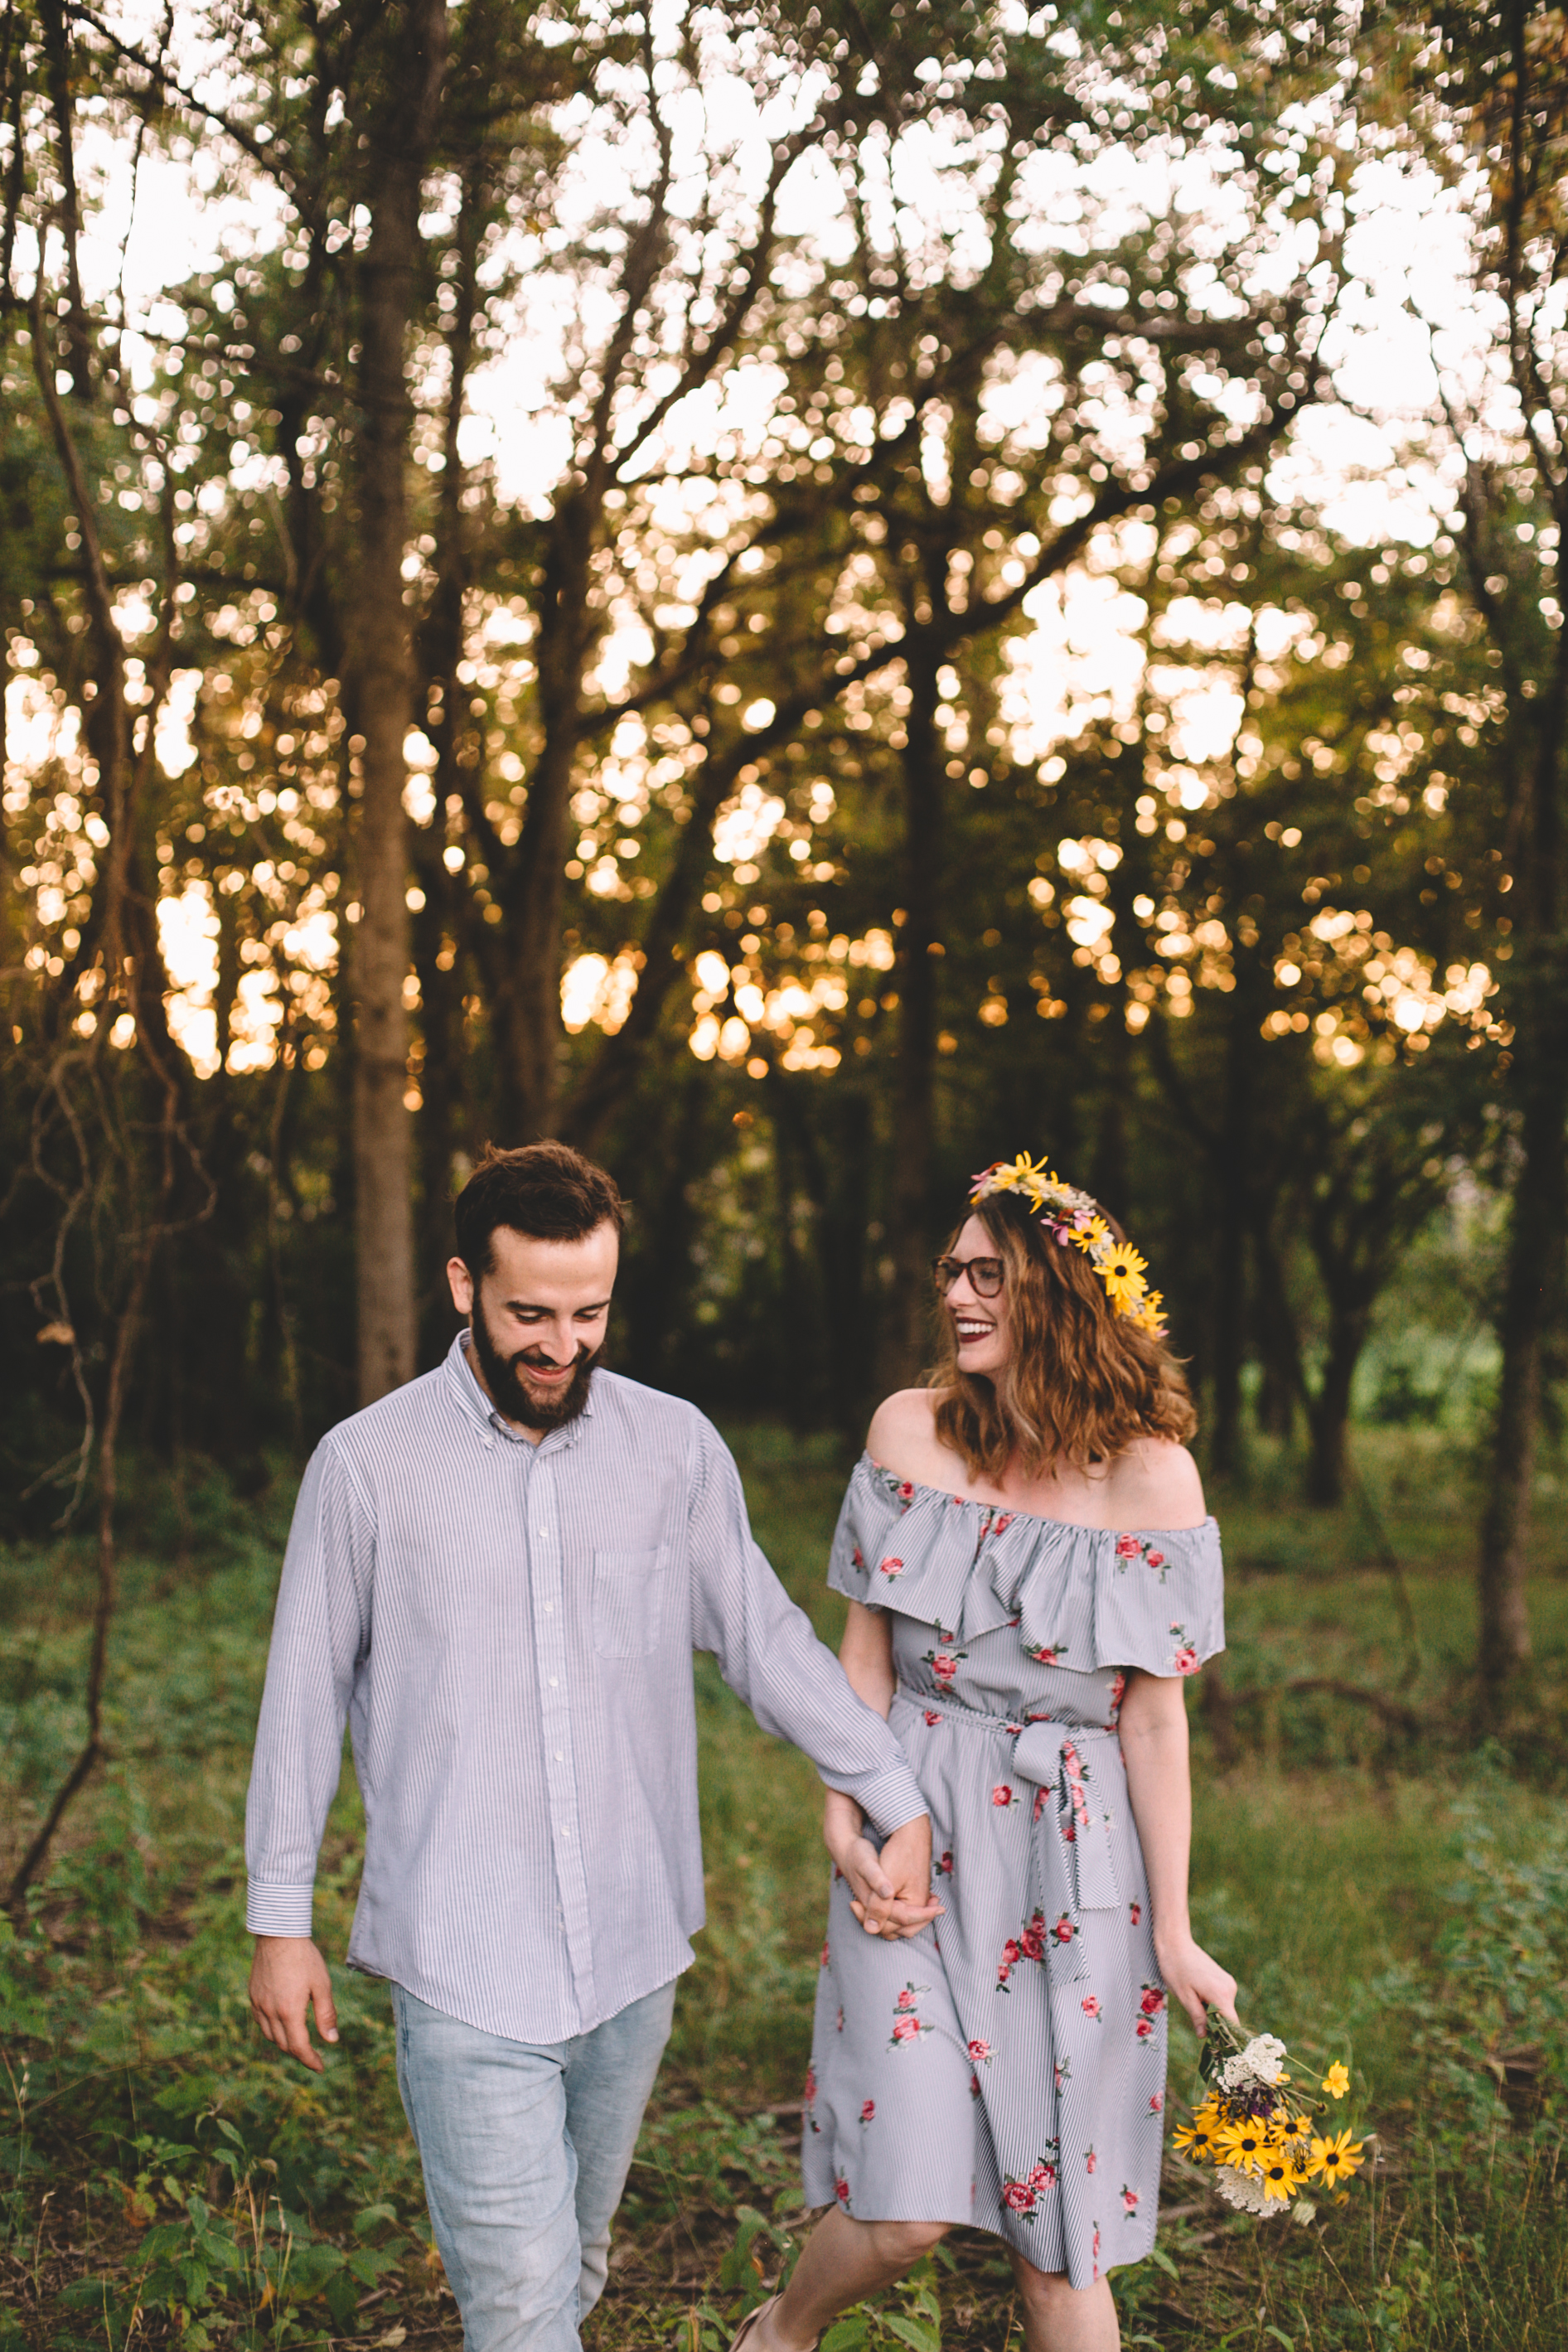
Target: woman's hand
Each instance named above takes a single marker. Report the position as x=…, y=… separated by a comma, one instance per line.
x=890, y=1892
x=1190, y=1976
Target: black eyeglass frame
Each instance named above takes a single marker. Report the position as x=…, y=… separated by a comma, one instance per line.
x=945, y=1271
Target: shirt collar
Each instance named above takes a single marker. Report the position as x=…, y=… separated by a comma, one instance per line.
x=473, y=1402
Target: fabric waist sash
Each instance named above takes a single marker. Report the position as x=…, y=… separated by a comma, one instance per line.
x=1082, y=1763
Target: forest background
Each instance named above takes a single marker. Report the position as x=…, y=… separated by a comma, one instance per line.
x=805, y=599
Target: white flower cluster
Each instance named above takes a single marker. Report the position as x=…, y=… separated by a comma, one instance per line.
x=1260, y=2064
x=1244, y=2191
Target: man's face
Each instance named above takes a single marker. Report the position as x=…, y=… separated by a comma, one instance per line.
x=538, y=1320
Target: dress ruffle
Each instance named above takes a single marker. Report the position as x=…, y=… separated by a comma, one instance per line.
x=1082, y=1597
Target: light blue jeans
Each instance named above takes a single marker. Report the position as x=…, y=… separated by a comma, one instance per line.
x=526, y=2147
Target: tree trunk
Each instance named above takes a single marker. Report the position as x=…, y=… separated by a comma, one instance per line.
x=400, y=139
x=906, y=1319
x=1328, y=1410
x=1234, y=1170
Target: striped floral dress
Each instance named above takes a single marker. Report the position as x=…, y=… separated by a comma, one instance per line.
x=1006, y=2067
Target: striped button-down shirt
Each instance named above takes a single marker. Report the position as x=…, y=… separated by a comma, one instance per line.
x=508, y=1629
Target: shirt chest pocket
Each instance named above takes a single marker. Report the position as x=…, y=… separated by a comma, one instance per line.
x=629, y=1597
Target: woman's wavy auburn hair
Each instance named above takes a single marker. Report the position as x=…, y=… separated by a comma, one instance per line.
x=1082, y=1381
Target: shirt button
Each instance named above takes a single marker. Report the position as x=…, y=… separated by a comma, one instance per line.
x=561, y=1756
x=553, y=1683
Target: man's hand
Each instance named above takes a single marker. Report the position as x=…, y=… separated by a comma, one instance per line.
x=289, y=1977
x=890, y=1892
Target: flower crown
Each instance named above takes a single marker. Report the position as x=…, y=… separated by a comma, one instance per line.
x=1073, y=1216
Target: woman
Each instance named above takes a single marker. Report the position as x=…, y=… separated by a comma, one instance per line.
x=1030, y=1574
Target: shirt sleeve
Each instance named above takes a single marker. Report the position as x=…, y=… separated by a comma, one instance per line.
x=771, y=1659
x=320, y=1636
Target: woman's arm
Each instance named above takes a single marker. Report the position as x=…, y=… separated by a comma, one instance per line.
x=891, y=1892
x=1153, y=1725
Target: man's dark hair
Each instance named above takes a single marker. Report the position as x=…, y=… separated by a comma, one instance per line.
x=546, y=1190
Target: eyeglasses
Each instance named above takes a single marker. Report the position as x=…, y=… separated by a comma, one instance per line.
x=985, y=1275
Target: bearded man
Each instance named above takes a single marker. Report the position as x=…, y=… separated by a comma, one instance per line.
x=497, y=1575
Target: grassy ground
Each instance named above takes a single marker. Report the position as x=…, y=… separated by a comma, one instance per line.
x=1380, y=1885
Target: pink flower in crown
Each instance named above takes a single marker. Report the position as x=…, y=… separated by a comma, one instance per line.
x=979, y=2052
x=1126, y=1546
x=906, y=2029
x=931, y=1718
x=891, y=1568
x=1130, y=2198
x=1090, y=2004
x=1001, y=1796
x=867, y=2111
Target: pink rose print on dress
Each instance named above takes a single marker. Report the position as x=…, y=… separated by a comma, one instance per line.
x=980, y=2052
x=1144, y=2029
x=1043, y=2175
x=1184, y=1657
x=869, y=2111
x=1139, y=1548
x=906, y=1490
x=1039, y=1804
x=1126, y=1546
x=858, y=1557
x=973, y=2083
x=1157, y=2103
x=933, y=1718
x=1129, y=2198
x=1090, y=2159
x=1018, y=2198
x=907, y=2026
x=810, y=2085
x=1089, y=2005
x=1117, y=1693
x=1061, y=2070
x=1048, y=1654
x=1003, y=1796
x=892, y=1567
x=1064, y=1931
x=944, y=1867
x=1096, y=2248
x=1135, y=1912
x=841, y=2190
x=945, y=1666
x=825, y=1954
x=1012, y=1953
x=1154, y=1999
x=1032, y=1940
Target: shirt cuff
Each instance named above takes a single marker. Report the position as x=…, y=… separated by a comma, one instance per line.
x=277, y=1910
x=890, y=1798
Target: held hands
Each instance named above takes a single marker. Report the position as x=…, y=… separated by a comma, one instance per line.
x=890, y=1892
x=288, y=1977
x=1194, y=1979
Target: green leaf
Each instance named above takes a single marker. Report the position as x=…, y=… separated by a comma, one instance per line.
x=372, y=2217
x=1287, y=2341
x=1158, y=2254
x=910, y=2331
x=845, y=2335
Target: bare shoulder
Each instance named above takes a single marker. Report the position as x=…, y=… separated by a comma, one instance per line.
x=902, y=1436
x=1155, y=1484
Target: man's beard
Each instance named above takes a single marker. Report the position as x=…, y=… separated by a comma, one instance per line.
x=504, y=1380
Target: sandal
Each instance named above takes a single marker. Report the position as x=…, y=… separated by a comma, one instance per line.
x=749, y=2321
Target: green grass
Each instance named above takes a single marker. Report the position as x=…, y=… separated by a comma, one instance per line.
x=1400, y=1899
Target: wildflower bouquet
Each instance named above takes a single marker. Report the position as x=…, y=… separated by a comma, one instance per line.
x=1267, y=2139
